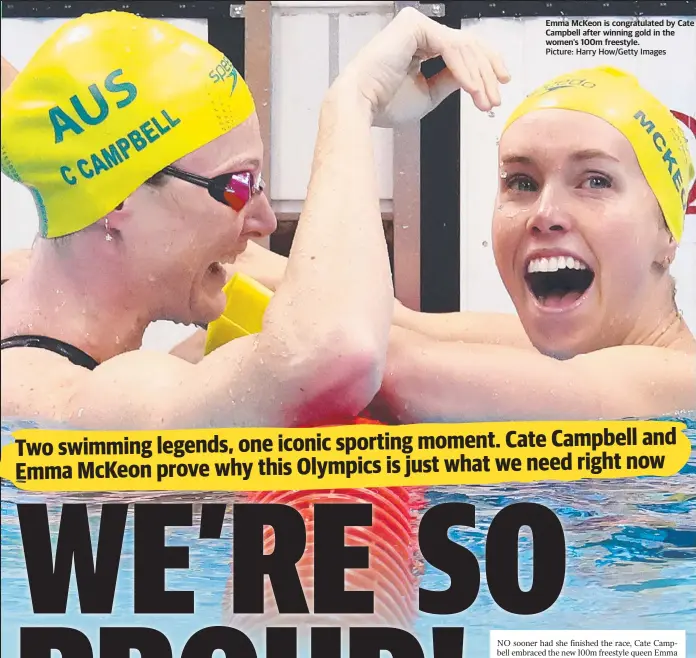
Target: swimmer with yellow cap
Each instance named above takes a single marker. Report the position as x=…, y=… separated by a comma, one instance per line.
x=593, y=182
x=141, y=148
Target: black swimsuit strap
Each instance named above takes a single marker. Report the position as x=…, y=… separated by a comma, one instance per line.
x=75, y=355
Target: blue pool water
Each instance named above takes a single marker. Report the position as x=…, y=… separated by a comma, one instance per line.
x=631, y=560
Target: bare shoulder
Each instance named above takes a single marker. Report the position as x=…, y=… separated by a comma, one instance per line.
x=641, y=357
x=37, y=382
x=14, y=263
x=663, y=376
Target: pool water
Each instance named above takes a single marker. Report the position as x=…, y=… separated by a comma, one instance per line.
x=630, y=561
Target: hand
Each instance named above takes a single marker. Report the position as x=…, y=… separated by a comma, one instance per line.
x=387, y=70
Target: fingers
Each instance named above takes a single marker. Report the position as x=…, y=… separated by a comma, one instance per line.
x=473, y=67
x=485, y=67
x=498, y=65
x=487, y=75
x=465, y=68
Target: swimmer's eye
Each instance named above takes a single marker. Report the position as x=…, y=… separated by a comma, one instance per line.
x=597, y=182
x=520, y=183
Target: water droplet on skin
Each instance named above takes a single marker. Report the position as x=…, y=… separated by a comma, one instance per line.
x=404, y=226
x=503, y=174
x=500, y=207
x=30, y=325
x=80, y=412
x=118, y=340
x=151, y=278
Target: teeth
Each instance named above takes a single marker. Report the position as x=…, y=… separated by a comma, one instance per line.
x=554, y=264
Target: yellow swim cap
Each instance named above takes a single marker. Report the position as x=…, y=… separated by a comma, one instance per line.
x=107, y=102
x=247, y=300
x=655, y=134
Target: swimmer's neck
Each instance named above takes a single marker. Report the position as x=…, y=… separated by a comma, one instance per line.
x=76, y=297
x=668, y=330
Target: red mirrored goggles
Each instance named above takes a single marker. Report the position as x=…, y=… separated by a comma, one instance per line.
x=234, y=190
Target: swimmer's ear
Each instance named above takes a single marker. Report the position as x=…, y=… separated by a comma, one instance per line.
x=667, y=252
x=114, y=221
x=119, y=214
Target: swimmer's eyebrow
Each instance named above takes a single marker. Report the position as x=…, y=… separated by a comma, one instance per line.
x=250, y=164
x=577, y=156
x=517, y=159
x=592, y=154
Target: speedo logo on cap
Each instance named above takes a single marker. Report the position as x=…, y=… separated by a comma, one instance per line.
x=660, y=144
x=223, y=71
x=569, y=82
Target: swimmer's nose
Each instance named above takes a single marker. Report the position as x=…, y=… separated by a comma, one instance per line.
x=548, y=216
x=260, y=219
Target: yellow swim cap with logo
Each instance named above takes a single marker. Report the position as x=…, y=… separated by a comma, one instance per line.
x=654, y=133
x=107, y=102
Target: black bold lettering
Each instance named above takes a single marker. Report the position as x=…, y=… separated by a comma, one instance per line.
x=282, y=643
x=332, y=557
x=118, y=642
x=250, y=565
x=152, y=557
x=49, y=585
x=455, y=560
x=448, y=642
x=326, y=643
x=207, y=641
x=370, y=642
x=502, y=558
x=39, y=642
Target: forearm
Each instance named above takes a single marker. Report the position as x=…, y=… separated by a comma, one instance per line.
x=431, y=381
x=340, y=222
x=466, y=326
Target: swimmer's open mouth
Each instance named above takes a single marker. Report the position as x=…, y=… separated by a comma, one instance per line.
x=216, y=268
x=559, y=281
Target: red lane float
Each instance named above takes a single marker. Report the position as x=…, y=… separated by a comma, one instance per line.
x=392, y=540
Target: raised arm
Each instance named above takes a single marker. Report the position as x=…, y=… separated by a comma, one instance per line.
x=427, y=380
x=319, y=357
